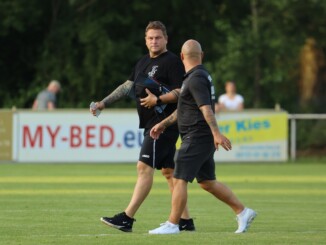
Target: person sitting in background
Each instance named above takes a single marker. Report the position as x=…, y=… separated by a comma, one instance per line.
x=230, y=101
x=46, y=99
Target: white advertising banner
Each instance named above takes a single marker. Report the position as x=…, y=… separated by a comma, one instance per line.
x=77, y=136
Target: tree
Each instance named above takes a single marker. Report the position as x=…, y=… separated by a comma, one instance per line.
x=91, y=45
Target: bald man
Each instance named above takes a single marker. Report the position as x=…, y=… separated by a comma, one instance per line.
x=200, y=139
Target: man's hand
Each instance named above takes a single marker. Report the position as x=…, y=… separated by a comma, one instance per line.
x=156, y=131
x=220, y=139
x=149, y=101
x=98, y=106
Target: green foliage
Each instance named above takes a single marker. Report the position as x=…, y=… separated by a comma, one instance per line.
x=311, y=135
x=91, y=46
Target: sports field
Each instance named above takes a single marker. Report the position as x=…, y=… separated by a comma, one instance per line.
x=62, y=204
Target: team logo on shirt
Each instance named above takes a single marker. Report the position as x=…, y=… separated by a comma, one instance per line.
x=153, y=71
x=212, y=87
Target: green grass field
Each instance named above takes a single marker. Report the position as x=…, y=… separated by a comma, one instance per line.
x=62, y=204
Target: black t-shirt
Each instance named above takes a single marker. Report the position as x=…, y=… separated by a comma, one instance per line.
x=197, y=90
x=167, y=69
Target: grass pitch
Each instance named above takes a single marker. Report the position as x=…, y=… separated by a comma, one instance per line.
x=62, y=204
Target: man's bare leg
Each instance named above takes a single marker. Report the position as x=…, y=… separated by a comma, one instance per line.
x=179, y=200
x=168, y=174
x=223, y=193
x=142, y=188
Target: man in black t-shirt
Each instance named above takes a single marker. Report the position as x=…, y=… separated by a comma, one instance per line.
x=163, y=69
x=200, y=138
x=166, y=69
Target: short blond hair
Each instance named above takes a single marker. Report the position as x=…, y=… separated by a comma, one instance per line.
x=156, y=25
x=55, y=84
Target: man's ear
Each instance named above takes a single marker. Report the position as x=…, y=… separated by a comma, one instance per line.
x=181, y=56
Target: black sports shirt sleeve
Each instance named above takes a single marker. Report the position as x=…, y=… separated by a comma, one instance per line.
x=175, y=73
x=132, y=75
x=200, y=90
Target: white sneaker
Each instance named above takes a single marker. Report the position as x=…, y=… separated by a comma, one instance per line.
x=166, y=228
x=244, y=220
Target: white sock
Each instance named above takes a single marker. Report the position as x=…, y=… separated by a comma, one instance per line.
x=172, y=223
x=242, y=213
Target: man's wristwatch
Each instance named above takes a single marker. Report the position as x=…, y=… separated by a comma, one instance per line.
x=158, y=100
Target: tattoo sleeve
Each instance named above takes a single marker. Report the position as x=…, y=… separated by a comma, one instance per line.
x=170, y=120
x=209, y=117
x=118, y=93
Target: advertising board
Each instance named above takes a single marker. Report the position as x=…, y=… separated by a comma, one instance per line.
x=63, y=136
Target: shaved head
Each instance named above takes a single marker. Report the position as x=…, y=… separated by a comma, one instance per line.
x=192, y=49
x=191, y=54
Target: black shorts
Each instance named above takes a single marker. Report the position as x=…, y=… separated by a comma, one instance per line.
x=159, y=153
x=195, y=160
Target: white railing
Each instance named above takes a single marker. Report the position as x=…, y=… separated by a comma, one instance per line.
x=293, y=128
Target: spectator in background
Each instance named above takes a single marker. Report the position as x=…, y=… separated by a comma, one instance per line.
x=230, y=101
x=46, y=99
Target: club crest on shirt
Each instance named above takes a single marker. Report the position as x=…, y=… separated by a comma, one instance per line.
x=153, y=71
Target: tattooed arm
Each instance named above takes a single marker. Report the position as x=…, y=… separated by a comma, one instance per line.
x=170, y=120
x=210, y=118
x=160, y=127
x=118, y=93
x=219, y=139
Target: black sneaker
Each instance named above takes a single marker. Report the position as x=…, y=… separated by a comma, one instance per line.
x=186, y=225
x=120, y=221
